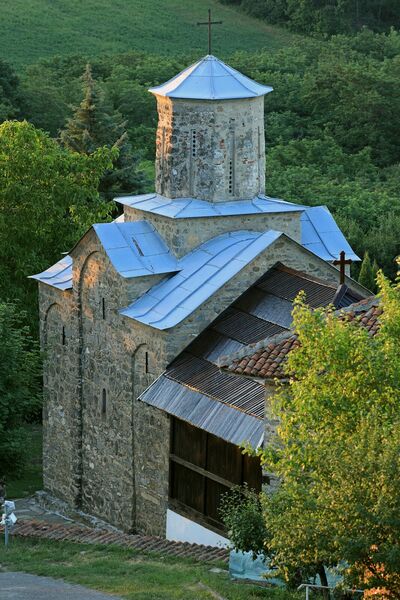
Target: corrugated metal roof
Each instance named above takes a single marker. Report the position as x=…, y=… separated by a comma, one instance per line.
x=135, y=248
x=197, y=383
x=210, y=79
x=58, y=275
x=244, y=327
x=321, y=234
x=202, y=272
x=204, y=412
x=190, y=208
x=205, y=377
x=287, y=283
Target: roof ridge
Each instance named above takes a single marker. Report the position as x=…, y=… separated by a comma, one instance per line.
x=210, y=258
x=362, y=306
x=251, y=348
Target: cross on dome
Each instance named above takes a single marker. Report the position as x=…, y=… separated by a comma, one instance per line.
x=210, y=23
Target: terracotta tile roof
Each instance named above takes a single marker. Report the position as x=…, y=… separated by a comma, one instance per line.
x=146, y=543
x=266, y=359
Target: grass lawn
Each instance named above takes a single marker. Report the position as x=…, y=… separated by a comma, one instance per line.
x=31, y=478
x=129, y=573
x=33, y=29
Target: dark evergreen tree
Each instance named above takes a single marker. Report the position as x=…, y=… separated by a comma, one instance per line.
x=94, y=125
x=368, y=273
x=9, y=92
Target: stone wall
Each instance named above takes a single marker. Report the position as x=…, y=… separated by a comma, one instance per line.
x=97, y=362
x=104, y=450
x=61, y=424
x=210, y=150
x=183, y=235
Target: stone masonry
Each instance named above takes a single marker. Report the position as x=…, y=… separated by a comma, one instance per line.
x=106, y=452
x=210, y=150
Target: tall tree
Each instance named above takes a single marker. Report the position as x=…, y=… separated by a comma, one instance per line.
x=20, y=376
x=368, y=273
x=94, y=125
x=9, y=92
x=48, y=198
x=338, y=450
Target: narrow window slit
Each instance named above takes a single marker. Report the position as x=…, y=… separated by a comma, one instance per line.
x=103, y=308
x=230, y=181
x=63, y=336
x=147, y=362
x=104, y=402
x=194, y=143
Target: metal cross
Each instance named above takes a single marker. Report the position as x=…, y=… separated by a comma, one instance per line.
x=210, y=24
x=342, y=262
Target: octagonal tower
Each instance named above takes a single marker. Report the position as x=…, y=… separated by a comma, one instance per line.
x=210, y=137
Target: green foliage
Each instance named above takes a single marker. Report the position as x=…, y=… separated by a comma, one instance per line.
x=48, y=198
x=325, y=16
x=331, y=124
x=35, y=29
x=93, y=126
x=368, y=273
x=338, y=448
x=240, y=510
x=20, y=375
x=9, y=92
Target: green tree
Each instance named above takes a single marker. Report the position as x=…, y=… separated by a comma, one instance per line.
x=20, y=398
x=9, y=92
x=94, y=125
x=337, y=451
x=48, y=198
x=368, y=273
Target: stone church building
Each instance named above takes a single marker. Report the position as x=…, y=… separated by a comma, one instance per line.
x=141, y=427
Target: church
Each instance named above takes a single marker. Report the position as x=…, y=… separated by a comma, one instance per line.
x=141, y=426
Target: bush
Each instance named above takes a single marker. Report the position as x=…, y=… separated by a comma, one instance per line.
x=20, y=399
x=241, y=513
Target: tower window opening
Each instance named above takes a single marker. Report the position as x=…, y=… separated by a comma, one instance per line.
x=63, y=336
x=230, y=178
x=194, y=143
x=103, y=308
x=146, y=366
x=103, y=403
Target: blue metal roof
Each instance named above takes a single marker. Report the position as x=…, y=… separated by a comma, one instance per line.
x=135, y=248
x=189, y=208
x=321, y=234
x=211, y=79
x=58, y=275
x=202, y=272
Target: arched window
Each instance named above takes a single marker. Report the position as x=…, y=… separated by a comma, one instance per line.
x=103, y=403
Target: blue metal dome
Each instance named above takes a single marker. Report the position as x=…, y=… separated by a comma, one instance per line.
x=211, y=79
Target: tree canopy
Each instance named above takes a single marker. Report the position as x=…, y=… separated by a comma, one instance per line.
x=337, y=451
x=20, y=375
x=48, y=198
x=94, y=125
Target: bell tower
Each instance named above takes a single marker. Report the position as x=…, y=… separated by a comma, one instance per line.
x=210, y=137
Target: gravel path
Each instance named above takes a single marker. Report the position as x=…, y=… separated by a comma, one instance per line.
x=21, y=586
